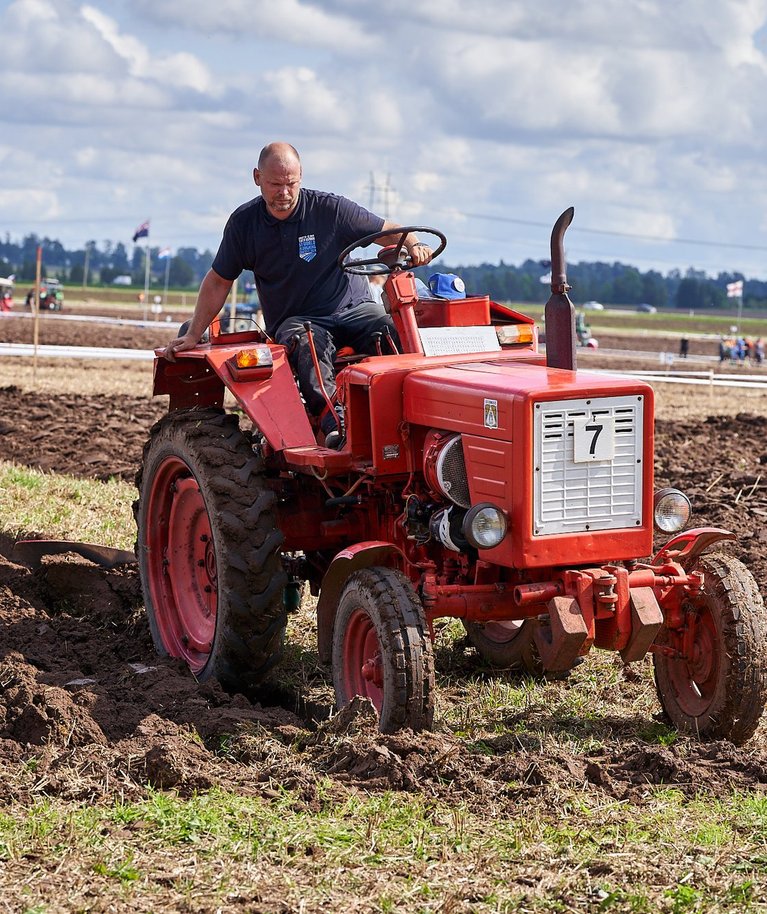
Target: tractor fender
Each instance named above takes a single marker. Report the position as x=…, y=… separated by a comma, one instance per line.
x=685, y=547
x=362, y=555
x=200, y=376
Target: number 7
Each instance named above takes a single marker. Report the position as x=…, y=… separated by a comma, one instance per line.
x=596, y=429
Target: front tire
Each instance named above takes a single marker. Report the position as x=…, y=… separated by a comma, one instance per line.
x=720, y=691
x=382, y=649
x=209, y=549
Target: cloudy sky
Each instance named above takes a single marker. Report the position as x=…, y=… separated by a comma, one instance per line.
x=485, y=120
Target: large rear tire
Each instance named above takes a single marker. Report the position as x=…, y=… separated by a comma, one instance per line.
x=209, y=550
x=720, y=691
x=382, y=649
x=507, y=645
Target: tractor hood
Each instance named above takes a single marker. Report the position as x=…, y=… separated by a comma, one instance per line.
x=518, y=428
x=481, y=398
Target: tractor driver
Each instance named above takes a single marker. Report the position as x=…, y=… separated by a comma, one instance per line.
x=290, y=237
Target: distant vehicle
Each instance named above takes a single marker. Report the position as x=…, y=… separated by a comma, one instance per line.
x=593, y=306
x=6, y=294
x=51, y=296
x=122, y=281
x=582, y=329
x=647, y=309
x=247, y=316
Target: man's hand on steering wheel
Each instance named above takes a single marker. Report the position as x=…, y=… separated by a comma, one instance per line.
x=403, y=250
x=420, y=252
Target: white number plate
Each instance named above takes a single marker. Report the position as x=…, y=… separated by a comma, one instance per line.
x=593, y=438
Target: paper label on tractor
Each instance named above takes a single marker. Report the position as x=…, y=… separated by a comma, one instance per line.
x=456, y=340
x=593, y=438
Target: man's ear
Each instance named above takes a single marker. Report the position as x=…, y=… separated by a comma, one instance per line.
x=257, y=177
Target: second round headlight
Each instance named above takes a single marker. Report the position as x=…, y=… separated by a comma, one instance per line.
x=671, y=510
x=484, y=525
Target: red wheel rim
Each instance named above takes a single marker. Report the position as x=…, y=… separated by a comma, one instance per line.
x=695, y=679
x=363, y=663
x=182, y=564
x=502, y=632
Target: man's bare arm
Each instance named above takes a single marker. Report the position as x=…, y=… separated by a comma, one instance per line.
x=210, y=300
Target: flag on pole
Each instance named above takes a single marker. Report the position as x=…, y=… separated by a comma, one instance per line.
x=735, y=289
x=141, y=232
x=163, y=253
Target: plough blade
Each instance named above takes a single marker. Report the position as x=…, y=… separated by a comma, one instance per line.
x=31, y=552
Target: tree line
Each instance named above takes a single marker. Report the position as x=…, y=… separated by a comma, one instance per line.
x=611, y=283
x=103, y=262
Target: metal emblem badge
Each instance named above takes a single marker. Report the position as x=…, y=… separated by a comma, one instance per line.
x=491, y=414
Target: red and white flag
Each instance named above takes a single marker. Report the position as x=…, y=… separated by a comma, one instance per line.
x=735, y=289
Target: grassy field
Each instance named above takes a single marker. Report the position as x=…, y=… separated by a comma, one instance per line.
x=628, y=321
x=65, y=507
x=305, y=840
x=531, y=796
x=389, y=852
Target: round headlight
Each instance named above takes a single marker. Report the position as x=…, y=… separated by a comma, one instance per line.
x=671, y=510
x=484, y=526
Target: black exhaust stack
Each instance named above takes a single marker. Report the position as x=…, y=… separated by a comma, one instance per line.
x=559, y=313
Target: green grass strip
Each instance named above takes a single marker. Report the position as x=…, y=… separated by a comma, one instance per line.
x=66, y=507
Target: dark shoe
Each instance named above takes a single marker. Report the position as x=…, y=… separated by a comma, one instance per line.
x=335, y=440
x=332, y=424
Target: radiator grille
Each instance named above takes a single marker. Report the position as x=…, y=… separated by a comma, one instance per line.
x=451, y=472
x=606, y=494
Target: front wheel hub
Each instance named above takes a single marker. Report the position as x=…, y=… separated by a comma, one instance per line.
x=372, y=671
x=362, y=660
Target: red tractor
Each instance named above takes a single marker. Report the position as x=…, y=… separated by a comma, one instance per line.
x=479, y=479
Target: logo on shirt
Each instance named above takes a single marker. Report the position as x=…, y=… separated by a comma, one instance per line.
x=307, y=247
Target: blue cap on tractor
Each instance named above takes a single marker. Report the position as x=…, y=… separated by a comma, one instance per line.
x=447, y=285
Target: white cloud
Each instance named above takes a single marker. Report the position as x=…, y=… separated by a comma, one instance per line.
x=288, y=21
x=34, y=204
x=302, y=95
x=181, y=70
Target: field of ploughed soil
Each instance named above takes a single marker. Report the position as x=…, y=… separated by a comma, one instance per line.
x=84, y=695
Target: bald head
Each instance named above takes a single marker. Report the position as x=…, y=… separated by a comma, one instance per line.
x=278, y=152
x=279, y=176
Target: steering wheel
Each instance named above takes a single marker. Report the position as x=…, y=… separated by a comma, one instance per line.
x=388, y=259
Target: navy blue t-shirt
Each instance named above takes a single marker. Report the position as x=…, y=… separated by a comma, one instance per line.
x=294, y=260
